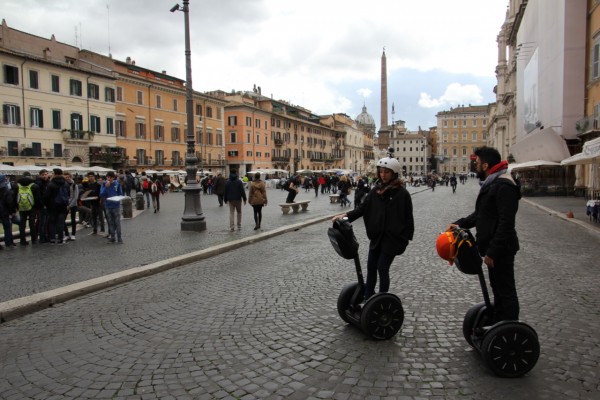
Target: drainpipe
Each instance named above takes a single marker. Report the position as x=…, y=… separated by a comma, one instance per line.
x=150, y=120
x=23, y=99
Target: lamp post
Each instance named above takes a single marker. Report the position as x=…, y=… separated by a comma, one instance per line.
x=193, y=219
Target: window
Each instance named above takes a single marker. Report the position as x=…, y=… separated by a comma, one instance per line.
x=37, y=149
x=159, y=133
x=176, y=158
x=11, y=75
x=464, y=151
x=110, y=126
x=175, y=105
x=257, y=123
x=175, y=134
x=36, y=115
x=93, y=91
x=209, y=138
x=11, y=114
x=140, y=97
x=75, y=87
x=158, y=101
x=55, y=83
x=140, y=130
x=232, y=138
x=141, y=156
x=595, y=67
x=218, y=116
x=208, y=112
x=474, y=136
x=58, y=150
x=159, y=156
x=454, y=123
x=121, y=128
x=464, y=122
x=248, y=121
x=199, y=109
x=199, y=137
x=94, y=123
x=56, y=123
x=33, y=80
x=76, y=122
x=109, y=95
x=219, y=139
x=119, y=93
x=232, y=120
x=474, y=121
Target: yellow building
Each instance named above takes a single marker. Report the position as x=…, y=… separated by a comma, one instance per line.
x=55, y=104
x=460, y=131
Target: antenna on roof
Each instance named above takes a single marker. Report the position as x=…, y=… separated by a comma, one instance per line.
x=108, y=30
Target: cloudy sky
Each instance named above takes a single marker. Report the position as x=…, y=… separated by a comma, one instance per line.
x=324, y=55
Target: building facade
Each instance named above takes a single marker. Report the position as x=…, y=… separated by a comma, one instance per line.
x=460, y=131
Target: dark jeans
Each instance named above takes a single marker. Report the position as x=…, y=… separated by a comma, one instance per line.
x=97, y=216
x=73, y=212
x=220, y=197
x=25, y=215
x=378, y=263
x=257, y=214
x=7, y=225
x=291, y=196
x=42, y=225
x=56, y=224
x=502, y=281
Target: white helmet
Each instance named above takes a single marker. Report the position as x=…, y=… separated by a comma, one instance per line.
x=390, y=163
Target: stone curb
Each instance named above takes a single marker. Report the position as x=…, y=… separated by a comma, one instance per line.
x=563, y=216
x=16, y=308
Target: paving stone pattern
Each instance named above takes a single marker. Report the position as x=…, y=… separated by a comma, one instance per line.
x=260, y=322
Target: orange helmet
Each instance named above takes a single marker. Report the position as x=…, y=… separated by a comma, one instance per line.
x=446, y=246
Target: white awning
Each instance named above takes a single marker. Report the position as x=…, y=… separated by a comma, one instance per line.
x=544, y=144
x=589, y=155
x=577, y=159
x=533, y=164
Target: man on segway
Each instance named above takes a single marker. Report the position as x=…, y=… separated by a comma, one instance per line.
x=388, y=217
x=494, y=218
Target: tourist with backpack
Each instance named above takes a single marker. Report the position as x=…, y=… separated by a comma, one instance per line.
x=27, y=195
x=145, y=184
x=56, y=199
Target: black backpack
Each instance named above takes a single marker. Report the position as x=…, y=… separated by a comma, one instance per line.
x=62, y=196
x=342, y=238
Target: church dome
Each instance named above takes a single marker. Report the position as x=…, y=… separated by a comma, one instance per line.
x=364, y=118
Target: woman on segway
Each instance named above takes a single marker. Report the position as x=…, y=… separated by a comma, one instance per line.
x=388, y=216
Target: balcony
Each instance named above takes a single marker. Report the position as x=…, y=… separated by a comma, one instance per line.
x=107, y=155
x=281, y=159
x=74, y=135
x=279, y=142
x=587, y=125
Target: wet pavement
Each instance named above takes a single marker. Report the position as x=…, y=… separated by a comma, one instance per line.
x=259, y=320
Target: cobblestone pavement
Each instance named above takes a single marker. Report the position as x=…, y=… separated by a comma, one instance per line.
x=260, y=322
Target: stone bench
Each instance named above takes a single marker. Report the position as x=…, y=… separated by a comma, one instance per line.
x=334, y=198
x=285, y=207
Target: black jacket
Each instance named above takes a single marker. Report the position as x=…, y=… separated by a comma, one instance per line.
x=234, y=189
x=388, y=219
x=52, y=191
x=494, y=217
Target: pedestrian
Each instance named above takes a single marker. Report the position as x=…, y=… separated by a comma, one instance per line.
x=156, y=190
x=292, y=187
x=145, y=184
x=92, y=200
x=234, y=194
x=315, y=183
x=111, y=188
x=8, y=209
x=27, y=195
x=494, y=219
x=344, y=187
x=219, y=188
x=257, y=197
x=72, y=207
x=388, y=217
x=56, y=199
x=453, y=183
x=41, y=211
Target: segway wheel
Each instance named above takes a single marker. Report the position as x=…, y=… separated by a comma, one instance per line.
x=511, y=349
x=345, y=300
x=469, y=322
x=382, y=316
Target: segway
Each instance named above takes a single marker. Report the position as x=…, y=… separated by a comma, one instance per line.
x=382, y=315
x=509, y=348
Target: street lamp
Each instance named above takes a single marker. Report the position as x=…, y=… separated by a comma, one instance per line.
x=193, y=219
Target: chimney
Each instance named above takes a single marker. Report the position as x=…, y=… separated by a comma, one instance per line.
x=259, y=91
x=164, y=72
x=128, y=60
x=46, y=51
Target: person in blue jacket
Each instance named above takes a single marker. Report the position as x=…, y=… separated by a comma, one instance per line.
x=111, y=188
